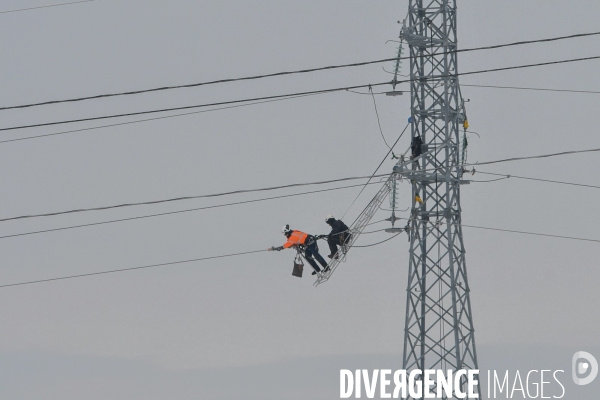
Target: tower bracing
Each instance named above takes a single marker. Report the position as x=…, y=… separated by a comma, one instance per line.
x=439, y=330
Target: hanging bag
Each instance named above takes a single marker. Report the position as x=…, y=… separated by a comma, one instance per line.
x=298, y=266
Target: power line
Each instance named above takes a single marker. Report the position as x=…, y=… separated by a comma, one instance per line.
x=196, y=106
x=516, y=231
x=186, y=198
x=302, y=71
x=151, y=119
x=130, y=269
x=533, y=233
x=52, y=5
x=503, y=176
x=532, y=88
x=501, y=87
x=528, y=66
x=539, y=179
x=182, y=211
x=260, y=251
x=289, y=185
x=562, y=153
x=292, y=94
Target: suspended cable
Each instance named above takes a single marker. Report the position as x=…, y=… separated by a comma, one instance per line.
x=526, y=66
x=291, y=94
x=153, y=119
x=491, y=180
x=533, y=233
x=500, y=87
x=194, y=106
x=184, y=211
x=302, y=71
x=130, y=269
x=532, y=88
x=512, y=231
x=563, y=153
x=185, y=198
x=541, y=180
x=289, y=186
x=260, y=251
x=383, y=241
x=52, y=5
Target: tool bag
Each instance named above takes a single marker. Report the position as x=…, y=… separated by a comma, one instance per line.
x=298, y=266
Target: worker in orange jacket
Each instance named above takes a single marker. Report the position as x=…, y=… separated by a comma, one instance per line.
x=306, y=243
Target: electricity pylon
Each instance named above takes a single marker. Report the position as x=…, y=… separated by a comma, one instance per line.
x=439, y=330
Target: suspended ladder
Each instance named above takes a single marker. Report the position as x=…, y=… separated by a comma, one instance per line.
x=357, y=227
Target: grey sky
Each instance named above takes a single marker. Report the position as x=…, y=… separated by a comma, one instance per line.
x=170, y=328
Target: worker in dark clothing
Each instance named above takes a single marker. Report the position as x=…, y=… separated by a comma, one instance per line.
x=339, y=235
x=305, y=243
x=416, y=147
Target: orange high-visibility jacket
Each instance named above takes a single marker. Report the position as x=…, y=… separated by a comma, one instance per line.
x=296, y=238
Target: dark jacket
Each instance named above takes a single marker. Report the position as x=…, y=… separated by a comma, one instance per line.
x=415, y=146
x=337, y=227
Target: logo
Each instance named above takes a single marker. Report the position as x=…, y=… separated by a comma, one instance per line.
x=584, y=364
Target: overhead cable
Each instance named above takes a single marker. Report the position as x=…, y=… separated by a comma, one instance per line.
x=533, y=233
x=501, y=87
x=533, y=88
x=511, y=231
x=130, y=269
x=527, y=66
x=260, y=251
x=562, y=153
x=152, y=119
x=302, y=71
x=539, y=179
x=292, y=94
x=378, y=243
x=182, y=211
x=291, y=185
x=190, y=198
x=195, y=106
x=52, y=5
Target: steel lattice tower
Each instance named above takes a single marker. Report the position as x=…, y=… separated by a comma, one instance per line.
x=439, y=330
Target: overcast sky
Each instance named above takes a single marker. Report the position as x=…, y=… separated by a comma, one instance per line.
x=244, y=327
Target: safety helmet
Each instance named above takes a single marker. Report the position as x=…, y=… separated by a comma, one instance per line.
x=329, y=218
x=286, y=229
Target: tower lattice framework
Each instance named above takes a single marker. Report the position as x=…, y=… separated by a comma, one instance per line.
x=439, y=330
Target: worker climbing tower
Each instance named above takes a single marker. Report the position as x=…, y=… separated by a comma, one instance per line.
x=439, y=330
